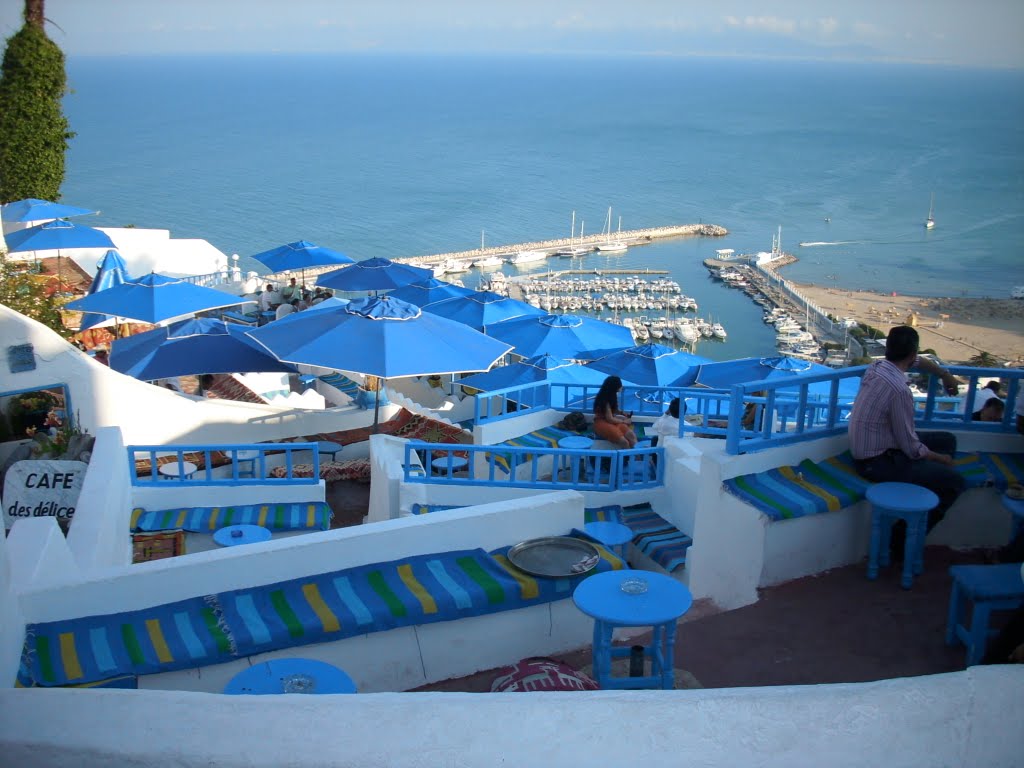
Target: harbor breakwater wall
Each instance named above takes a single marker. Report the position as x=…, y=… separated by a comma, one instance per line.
x=630, y=237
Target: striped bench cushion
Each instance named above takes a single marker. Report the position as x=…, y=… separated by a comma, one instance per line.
x=314, y=609
x=300, y=516
x=341, y=382
x=656, y=537
x=811, y=487
x=547, y=437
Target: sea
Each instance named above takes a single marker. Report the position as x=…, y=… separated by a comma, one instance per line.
x=401, y=156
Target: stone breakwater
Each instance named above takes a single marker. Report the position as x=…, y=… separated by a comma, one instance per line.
x=630, y=237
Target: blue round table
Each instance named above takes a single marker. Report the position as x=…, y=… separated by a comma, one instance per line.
x=899, y=501
x=327, y=447
x=602, y=598
x=290, y=676
x=572, y=463
x=448, y=464
x=234, y=535
x=615, y=536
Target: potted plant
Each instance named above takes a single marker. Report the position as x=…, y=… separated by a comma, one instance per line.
x=29, y=411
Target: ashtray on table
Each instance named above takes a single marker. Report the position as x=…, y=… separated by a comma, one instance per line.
x=634, y=585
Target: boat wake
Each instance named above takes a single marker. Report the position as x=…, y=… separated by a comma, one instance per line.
x=837, y=242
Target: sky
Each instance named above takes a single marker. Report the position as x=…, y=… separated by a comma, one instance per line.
x=985, y=33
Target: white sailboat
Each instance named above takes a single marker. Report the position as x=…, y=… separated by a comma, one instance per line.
x=929, y=223
x=609, y=245
x=572, y=250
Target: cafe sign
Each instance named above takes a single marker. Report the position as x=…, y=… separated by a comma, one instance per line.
x=42, y=489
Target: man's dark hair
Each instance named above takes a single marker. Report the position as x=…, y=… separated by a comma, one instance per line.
x=902, y=342
x=994, y=385
x=673, y=408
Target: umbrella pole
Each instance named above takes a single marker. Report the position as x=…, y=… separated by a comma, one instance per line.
x=376, y=408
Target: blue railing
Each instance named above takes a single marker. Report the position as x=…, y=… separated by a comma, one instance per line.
x=225, y=464
x=548, y=468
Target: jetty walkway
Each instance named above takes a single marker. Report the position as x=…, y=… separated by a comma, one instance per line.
x=629, y=237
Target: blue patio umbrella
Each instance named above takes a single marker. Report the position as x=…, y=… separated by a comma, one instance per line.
x=193, y=346
x=429, y=291
x=111, y=271
x=300, y=255
x=567, y=336
x=379, y=336
x=55, y=236
x=33, y=209
x=154, y=298
x=481, y=308
x=537, y=369
x=652, y=365
x=373, y=275
x=724, y=374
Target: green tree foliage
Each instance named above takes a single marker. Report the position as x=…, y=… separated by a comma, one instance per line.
x=984, y=360
x=33, y=130
x=25, y=292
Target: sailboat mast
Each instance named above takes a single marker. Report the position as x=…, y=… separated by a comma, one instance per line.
x=572, y=230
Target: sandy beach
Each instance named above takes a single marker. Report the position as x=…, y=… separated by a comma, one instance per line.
x=956, y=328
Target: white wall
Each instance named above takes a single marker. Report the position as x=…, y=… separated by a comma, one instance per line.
x=959, y=720
x=149, y=414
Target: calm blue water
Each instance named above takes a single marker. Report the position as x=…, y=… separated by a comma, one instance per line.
x=394, y=156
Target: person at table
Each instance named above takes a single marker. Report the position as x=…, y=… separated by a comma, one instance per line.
x=667, y=425
x=883, y=441
x=290, y=292
x=983, y=396
x=610, y=422
x=269, y=299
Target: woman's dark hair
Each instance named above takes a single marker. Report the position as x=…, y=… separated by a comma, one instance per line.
x=608, y=395
x=673, y=408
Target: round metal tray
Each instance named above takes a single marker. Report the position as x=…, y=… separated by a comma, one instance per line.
x=554, y=557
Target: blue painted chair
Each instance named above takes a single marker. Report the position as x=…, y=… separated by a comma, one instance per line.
x=987, y=588
x=899, y=501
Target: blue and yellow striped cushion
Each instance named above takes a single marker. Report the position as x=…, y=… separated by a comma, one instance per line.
x=300, y=516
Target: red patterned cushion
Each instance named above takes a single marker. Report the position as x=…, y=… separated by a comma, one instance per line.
x=354, y=469
x=541, y=674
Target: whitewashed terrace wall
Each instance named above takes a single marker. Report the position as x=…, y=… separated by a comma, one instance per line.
x=148, y=414
x=959, y=720
x=51, y=589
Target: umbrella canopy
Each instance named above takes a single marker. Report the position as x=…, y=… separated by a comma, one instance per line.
x=567, y=336
x=379, y=336
x=725, y=374
x=57, y=235
x=32, y=209
x=652, y=365
x=154, y=298
x=194, y=346
x=481, y=308
x=533, y=370
x=111, y=271
x=373, y=275
x=299, y=255
x=429, y=291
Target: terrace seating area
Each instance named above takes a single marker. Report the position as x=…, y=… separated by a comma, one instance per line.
x=833, y=484
x=213, y=629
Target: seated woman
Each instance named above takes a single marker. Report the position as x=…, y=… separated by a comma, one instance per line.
x=610, y=423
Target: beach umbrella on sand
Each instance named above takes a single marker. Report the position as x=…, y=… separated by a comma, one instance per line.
x=373, y=275
x=566, y=336
x=111, y=271
x=652, y=365
x=481, y=308
x=193, y=346
x=300, y=255
x=32, y=209
x=429, y=291
x=379, y=336
x=533, y=370
x=154, y=298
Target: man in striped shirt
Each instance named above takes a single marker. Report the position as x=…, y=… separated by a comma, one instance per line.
x=883, y=441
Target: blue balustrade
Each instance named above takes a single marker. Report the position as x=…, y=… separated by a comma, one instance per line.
x=228, y=473
x=547, y=468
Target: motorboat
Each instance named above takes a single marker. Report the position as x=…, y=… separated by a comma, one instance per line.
x=718, y=331
x=528, y=257
x=488, y=262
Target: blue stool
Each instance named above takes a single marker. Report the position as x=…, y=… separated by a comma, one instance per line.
x=1016, y=507
x=899, y=501
x=988, y=588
